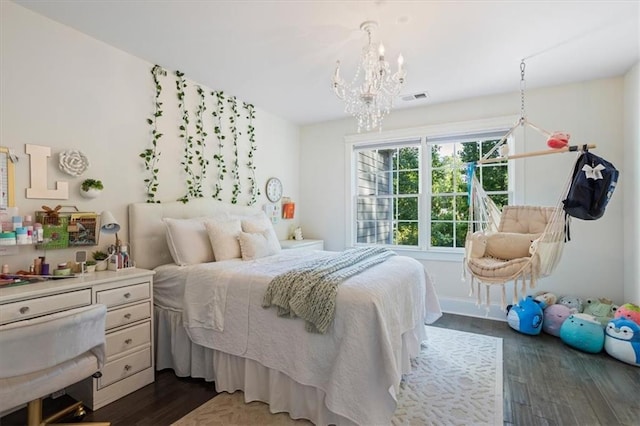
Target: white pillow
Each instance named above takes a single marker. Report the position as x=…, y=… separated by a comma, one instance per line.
x=255, y=245
x=223, y=236
x=188, y=241
x=509, y=245
x=260, y=223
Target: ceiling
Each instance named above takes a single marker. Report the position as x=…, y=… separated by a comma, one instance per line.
x=280, y=55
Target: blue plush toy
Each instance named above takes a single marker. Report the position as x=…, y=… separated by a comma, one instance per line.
x=622, y=340
x=584, y=332
x=526, y=316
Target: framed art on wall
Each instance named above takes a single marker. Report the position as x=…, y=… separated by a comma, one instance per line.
x=7, y=193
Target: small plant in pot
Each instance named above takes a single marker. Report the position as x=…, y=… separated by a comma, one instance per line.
x=91, y=188
x=90, y=265
x=101, y=260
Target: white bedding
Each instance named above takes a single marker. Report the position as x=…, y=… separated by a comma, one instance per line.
x=350, y=375
x=358, y=364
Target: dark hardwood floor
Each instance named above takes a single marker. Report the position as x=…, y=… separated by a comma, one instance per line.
x=548, y=383
x=545, y=383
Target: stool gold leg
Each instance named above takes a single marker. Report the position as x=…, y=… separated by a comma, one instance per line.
x=34, y=412
x=60, y=414
x=85, y=423
x=34, y=415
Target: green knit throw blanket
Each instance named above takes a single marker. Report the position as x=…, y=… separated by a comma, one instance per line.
x=310, y=291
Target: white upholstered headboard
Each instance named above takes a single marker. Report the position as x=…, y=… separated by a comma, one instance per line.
x=147, y=231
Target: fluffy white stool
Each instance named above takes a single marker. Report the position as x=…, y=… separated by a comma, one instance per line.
x=45, y=354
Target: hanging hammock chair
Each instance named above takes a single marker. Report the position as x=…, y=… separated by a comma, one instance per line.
x=519, y=244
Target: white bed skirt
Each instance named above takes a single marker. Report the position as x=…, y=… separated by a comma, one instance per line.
x=175, y=350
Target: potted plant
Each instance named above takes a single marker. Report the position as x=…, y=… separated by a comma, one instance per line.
x=91, y=188
x=101, y=259
x=90, y=265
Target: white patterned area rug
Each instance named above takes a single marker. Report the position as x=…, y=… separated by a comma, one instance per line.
x=456, y=380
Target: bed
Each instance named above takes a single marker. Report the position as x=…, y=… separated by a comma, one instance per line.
x=210, y=321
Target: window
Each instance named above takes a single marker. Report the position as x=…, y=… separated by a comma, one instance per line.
x=449, y=199
x=388, y=186
x=411, y=193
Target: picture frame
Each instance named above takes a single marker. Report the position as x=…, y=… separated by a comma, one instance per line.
x=7, y=176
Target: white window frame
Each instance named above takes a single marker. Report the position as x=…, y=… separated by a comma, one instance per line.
x=456, y=129
x=417, y=142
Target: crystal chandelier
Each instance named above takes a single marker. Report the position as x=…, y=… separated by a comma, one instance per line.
x=369, y=96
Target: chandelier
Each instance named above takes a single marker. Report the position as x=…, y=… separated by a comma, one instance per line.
x=369, y=96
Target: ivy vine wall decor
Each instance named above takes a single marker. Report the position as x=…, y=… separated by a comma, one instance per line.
x=205, y=161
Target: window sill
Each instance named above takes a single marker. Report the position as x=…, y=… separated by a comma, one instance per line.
x=440, y=256
x=436, y=255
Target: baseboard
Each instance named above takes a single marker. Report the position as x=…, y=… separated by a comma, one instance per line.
x=468, y=307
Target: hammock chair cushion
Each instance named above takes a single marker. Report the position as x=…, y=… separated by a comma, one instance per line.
x=509, y=245
x=507, y=251
x=525, y=219
x=490, y=268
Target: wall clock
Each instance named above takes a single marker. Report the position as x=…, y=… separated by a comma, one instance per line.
x=274, y=189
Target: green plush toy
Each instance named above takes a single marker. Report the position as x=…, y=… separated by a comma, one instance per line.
x=602, y=309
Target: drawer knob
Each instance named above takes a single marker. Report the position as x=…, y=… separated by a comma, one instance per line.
x=127, y=367
x=128, y=341
x=24, y=309
x=127, y=295
x=127, y=316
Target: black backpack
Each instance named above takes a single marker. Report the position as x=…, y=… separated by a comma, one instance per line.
x=593, y=182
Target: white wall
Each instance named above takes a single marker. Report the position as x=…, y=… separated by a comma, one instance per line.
x=63, y=89
x=632, y=186
x=591, y=112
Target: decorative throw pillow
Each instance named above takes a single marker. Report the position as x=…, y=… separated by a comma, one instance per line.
x=509, y=245
x=223, y=236
x=254, y=245
x=260, y=223
x=188, y=241
x=478, y=244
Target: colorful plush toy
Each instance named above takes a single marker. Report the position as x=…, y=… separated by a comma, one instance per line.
x=553, y=318
x=547, y=298
x=558, y=140
x=526, y=316
x=572, y=302
x=602, y=309
x=583, y=332
x=629, y=311
x=622, y=340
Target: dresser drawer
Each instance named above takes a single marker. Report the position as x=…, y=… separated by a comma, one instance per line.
x=31, y=308
x=125, y=367
x=129, y=338
x=128, y=315
x=122, y=295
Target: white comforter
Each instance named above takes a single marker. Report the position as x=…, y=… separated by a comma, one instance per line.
x=357, y=363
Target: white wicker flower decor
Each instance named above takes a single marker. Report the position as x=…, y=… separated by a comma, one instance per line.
x=73, y=162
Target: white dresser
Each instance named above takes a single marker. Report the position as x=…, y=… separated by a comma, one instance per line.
x=128, y=295
x=302, y=244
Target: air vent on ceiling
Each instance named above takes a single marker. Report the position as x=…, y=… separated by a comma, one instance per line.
x=421, y=96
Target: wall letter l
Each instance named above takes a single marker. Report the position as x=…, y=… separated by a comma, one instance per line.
x=38, y=171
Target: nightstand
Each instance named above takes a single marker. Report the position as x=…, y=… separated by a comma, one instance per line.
x=302, y=244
